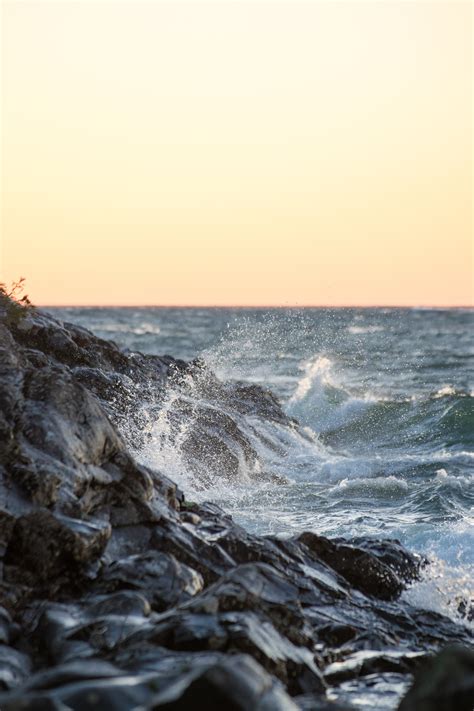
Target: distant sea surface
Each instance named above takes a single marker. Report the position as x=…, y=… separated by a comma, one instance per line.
x=387, y=400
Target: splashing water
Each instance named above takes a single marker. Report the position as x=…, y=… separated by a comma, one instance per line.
x=385, y=402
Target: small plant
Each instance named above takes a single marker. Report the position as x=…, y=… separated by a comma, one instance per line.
x=14, y=302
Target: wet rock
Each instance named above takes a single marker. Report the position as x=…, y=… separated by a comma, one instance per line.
x=14, y=667
x=465, y=608
x=248, y=399
x=118, y=603
x=187, y=545
x=257, y=586
x=427, y=628
x=309, y=702
x=142, y=656
x=74, y=671
x=114, y=694
x=49, y=626
x=374, y=691
x=237, y=684
x=212, y=443
x=67, y=343
x=240, y=632
x=65, y=632
x=33, y=702
x=205, y=418
x=370, y=662
x=6, y=626
x=405, y=565
x=44, y=547
x=316, y=582
x=257, y=401
x=445, y=683
x=163, y=580
x=335, y=634
x=364, y=571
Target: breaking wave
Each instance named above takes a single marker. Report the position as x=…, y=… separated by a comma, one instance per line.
x=371, y=455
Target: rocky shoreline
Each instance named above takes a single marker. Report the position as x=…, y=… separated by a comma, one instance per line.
x=118, y=593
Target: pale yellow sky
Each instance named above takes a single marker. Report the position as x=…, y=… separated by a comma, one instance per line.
x=238, y=152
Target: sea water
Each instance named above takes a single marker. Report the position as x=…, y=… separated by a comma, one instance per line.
x=386, y=400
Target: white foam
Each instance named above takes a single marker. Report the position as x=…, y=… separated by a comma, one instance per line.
x=445, y=390
x=145, y=329
x=316, y=373
x=383, y=485
x=443, y=586
x=142, y=330
x=322, y=400
x=355, y=330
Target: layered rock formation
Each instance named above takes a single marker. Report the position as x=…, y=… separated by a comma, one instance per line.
x=117, y=593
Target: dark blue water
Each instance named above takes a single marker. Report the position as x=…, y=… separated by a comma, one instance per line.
x=387, y=400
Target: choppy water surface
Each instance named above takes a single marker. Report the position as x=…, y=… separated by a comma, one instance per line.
x=387, y=398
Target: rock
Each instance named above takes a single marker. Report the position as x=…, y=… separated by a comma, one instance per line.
x=236, y=684
x=189, y=546
x=74, y=671
x=239, y=632
x=113, y=694
x=206, y=419
x=364, y=571
x=257, y=586
x=163, y=580
x=309, y=702
x=465, y=608
x=115, y=592
x=6, y=626
x=314, y=580
x=404, y=564
x=44, y=547
x=381, y=691
x=444, y=683
x=64, y=633
x=211, y=442
x=370, y=662
x=67, y=343
x=14, y=667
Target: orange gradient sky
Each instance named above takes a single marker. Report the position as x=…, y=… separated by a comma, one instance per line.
x=238, y=152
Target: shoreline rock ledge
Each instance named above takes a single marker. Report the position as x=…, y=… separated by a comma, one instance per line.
x=118, y=593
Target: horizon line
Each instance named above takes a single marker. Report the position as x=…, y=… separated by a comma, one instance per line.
x=257, y=306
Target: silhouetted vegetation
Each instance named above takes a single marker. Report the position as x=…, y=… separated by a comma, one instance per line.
x=14, y=302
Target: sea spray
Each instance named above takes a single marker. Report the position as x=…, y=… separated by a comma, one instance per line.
x=384, y=398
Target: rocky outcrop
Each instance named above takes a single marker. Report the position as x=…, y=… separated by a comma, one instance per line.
x=116, y=592
x=444, y=683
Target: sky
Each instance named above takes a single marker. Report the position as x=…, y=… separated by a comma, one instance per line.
x=238, y=153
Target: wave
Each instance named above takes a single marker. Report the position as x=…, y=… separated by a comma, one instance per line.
x=143, y=329
x=208, y=433
x=361, y=464
x=362, y=450
x=344, y=416
x=393, y=462
x=358, y=330
x=445, y=588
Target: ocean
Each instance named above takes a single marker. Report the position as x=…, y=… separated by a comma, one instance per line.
x=385, y=397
